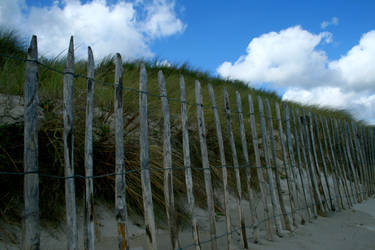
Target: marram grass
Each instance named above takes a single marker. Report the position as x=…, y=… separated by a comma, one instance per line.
x=51, y=129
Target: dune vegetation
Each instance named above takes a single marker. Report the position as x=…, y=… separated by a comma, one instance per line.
x=51, y=157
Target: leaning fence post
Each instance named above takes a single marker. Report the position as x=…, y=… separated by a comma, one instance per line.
x=306, y=162
x=275, y=204
x=223, y=163
x=259, y=170
x=89, y=233
x=70, y=198
x=121, y=207
x=311, y=165
x=351, y=164
x=315, y=166
x=167, y=164
x=277, y=175
x=336, y=183
x=366, y=158
x=355, y=160
x=346, y=165
x=343, y=155
x=360, y=161
x=299, y=161
x=145, y=161
x=287, y=144
x=31, y=180
x=205, y=165
x=339, y=158
x=325, y=172
x=251, y=196
x=236, y=170
x=187, y=164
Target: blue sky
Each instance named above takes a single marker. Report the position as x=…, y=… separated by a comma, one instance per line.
x=315, y=52
x=223, y=29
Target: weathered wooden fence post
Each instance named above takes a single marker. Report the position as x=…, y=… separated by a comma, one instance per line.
x=311, y=166
x=205, y=165
x=315, y=166
x=275, y=204
x=236, y=171
x=306, y=162
x=346, y=137
x=70, y=198
x=289, y=151
x=334, y=168
x=370, y=146
x=145, y=161
x=223, y=163
x=31, y=237
x=277, y=174
x=167, y=164
x=89, y=230
x=357, y=153
x=335, y=138
x=325, y=156
x=325, y=171
x=187, y=164
x=259, y=170
x=345, y=157
x=120, y=193
x=361, y=162
x=346, y=160
x=251, y=196
x=305, y=187
x=366, y=159
x=356, y=161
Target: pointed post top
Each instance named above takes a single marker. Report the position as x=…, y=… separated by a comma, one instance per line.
x=70, y=59
x=249, y=98
x=210, y=86
x=225, y=92
x=267, y=102
x=90, y=58
x=32, y=53
x=259, y=99
x=118, y=57
x=71, y=46
x=160, y=76
x=118, y=61
x=182, y=78
x=197, y=83
x=277, y=106
x=286, y=108
x=143, y=73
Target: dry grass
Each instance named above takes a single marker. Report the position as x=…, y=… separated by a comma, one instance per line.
x=51, y=127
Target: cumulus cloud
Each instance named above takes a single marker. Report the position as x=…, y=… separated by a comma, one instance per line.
x=286, y=58
x=125, y=27
x=290, y=60
x=361, y=104
x=333, y=21
x=356, y=68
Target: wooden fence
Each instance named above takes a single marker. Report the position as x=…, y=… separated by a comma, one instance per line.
x=311, y=145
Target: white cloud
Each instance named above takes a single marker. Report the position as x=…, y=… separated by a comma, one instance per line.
x=356, y=68
x=360, y=104
x=108, y=28
x=333, y=21
x=161, y=20
x=290, y=60
x=285, y=58
x=325, y=96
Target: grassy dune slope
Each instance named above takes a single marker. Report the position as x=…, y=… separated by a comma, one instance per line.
x=51, y=128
